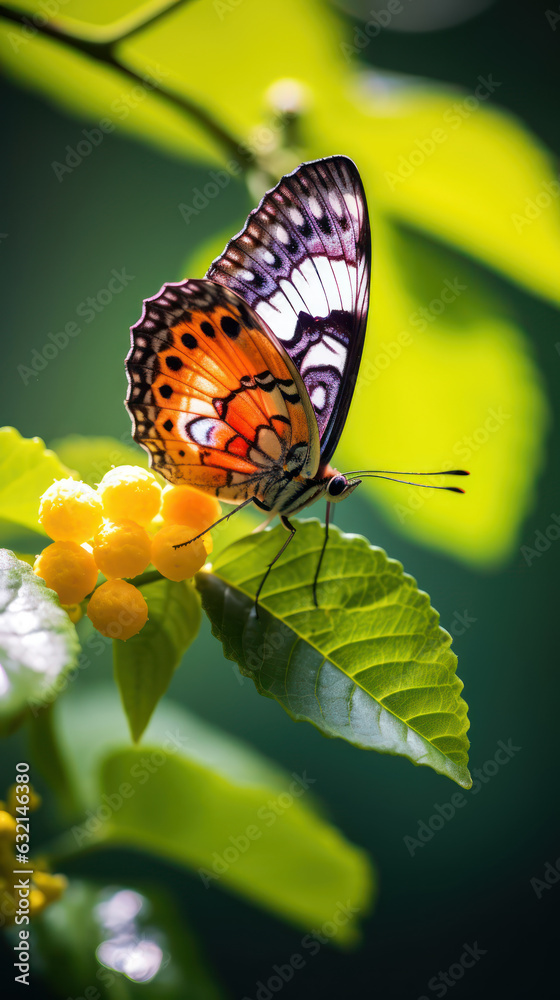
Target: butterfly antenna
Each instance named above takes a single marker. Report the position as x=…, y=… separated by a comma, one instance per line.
x=388, y=474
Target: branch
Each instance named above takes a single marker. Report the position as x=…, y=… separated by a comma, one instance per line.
x=102, y=50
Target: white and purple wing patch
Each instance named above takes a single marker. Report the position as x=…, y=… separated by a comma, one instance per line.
x=302, y=262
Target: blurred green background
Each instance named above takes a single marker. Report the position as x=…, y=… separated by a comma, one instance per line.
x=119, y=209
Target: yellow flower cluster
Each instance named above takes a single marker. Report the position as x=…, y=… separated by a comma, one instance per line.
x=45, y=888
x=128, y=522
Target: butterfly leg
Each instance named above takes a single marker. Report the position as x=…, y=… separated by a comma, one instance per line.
x=289, y=527
x=318, y=570
x=226, y=517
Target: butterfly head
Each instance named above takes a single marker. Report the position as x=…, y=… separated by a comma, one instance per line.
x=339, y=487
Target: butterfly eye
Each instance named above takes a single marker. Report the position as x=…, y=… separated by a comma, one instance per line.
x=337, y=485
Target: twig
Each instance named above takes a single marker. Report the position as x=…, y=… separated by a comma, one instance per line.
x=102, y=50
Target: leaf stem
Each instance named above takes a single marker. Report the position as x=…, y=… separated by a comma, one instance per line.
x=102, y=50
x=149, y=576
x=63, y=849
x=45, y=750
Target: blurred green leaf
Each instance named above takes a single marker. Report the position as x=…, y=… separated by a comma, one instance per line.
x=97, y=20
x=466, y=188
x=66, y=935
x=92, y=457
x=27, y=468
x=306, y=50
x=448, y=347
x=103, y=95
x=445, y=160
x=38, y=642
x=145, y=663
x=369, y=665
x=191, y=793
x=464, y=171
x=93, y=933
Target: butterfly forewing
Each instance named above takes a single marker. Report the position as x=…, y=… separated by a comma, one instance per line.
x=214, y=397
x=302, y=262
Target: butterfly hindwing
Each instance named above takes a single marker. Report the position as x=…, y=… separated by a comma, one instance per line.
x=214, y=398
x=302, y=262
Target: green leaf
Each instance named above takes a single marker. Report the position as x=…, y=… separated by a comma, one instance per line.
x=450, y=162
x=475, y=187
x=469, y=188
x=442, y=342
x=103, y=95
x=92, y=457
x=191, y=792
x=370, y=665
x=145, y=663
x=99, y=20
x=93, y=934
x=38, y=642
x=27, y=468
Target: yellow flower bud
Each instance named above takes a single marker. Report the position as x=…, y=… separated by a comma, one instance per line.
x=7, y=827
x=52, y=886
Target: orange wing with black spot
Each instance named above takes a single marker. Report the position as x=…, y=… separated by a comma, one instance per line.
x=214, y=397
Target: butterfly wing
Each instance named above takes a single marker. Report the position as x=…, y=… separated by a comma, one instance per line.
x=214, y=398
x=302, y=262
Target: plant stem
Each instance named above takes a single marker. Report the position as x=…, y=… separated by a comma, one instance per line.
x=150, y=576
x=102, y=50
x=63, y=849
x=45, y=750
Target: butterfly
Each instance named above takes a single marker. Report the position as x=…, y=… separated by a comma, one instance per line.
x=240, y=382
